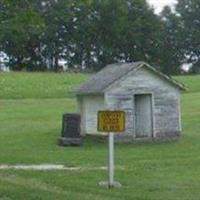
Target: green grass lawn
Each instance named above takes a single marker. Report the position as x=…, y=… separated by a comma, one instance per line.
x=30, y=124
x=38, y=85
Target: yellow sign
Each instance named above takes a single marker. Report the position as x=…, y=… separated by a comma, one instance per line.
x=111, y=121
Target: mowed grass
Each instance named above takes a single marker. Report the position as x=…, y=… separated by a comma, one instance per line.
x=191, y=82
x=30, y=125
x=39, y=85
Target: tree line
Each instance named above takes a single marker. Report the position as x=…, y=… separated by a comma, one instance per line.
x=88, y=34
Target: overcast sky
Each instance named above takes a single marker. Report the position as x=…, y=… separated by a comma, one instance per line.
x=159, y=4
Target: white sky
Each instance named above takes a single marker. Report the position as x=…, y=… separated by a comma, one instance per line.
x=159, y=4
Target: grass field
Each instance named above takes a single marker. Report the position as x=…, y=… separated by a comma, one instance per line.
x=31, y=105
x=38, y=85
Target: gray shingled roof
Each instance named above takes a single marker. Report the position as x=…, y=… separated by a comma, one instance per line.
x=111, y=73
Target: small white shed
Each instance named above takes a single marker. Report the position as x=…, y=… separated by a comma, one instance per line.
x=150, y=99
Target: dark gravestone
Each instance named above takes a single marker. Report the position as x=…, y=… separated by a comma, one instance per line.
x=70, y=130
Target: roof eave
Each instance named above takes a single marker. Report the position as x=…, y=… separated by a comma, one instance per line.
x=174, y=82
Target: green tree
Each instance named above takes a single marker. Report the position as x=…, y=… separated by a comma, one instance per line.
x=188, y=12
x=21, y=27
x=116, y=30
x=86, y=33
x=171, y=54
x=142, y=32
x=58, y=33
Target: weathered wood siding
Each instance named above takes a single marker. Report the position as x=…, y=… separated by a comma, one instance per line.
x=89, y=106
x=165, y=100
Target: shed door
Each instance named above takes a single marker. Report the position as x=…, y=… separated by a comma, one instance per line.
x=143, y=115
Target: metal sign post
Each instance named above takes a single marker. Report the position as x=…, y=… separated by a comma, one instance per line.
x=111, y=160
x=111, y=122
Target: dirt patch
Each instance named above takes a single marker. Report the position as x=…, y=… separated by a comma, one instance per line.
x=49, y=167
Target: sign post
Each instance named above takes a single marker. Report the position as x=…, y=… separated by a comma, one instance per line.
x=111, y=160
x=111, y=122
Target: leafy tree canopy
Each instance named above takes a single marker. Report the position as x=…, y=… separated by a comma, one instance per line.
x=92, y=33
